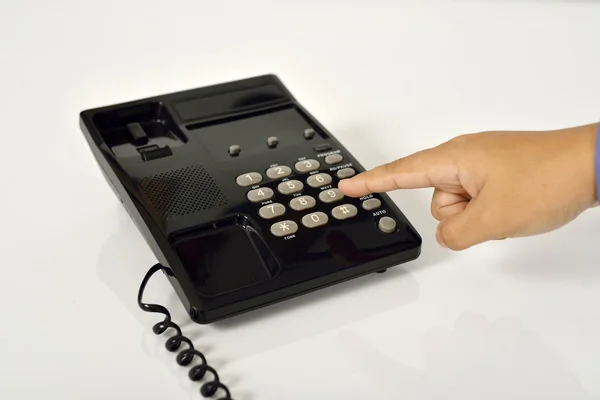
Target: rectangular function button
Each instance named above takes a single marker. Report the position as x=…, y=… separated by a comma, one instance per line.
x=322, y=147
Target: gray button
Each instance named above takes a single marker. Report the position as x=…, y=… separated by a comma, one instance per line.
x=273, y=210
x=290, y=187
x=234, y=150
x=280, y=171
x=344, y=212
x=260, y=194
x=249, y=179
x=302, y=203
x=319, y=180
x=309, y=133
x=315, y=219
x=345, y=173
x=371, y=204
x=387, y=225
x=284, y=228
x=307, y=165
x=334, y=159
x=331, y=195
x=272, y=141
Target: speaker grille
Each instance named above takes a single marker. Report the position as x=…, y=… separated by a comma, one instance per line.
x=182, y=191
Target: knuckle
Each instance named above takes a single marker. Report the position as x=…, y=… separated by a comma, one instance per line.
x=452, y=238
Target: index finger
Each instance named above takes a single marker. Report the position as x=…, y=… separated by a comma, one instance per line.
x=418, y=170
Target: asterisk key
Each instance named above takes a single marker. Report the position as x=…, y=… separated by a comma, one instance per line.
x=284, y=226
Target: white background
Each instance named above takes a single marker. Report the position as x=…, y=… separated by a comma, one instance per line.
x=509, y=320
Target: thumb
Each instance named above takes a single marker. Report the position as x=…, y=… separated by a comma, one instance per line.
x=472, y=226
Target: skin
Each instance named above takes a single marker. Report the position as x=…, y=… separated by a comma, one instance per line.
x=495, y=185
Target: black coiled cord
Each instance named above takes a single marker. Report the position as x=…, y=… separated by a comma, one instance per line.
x=185, y=357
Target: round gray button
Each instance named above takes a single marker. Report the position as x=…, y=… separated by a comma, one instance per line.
x=309, y=133
x=272, y=141
x=302, y=203
x=273, y=210
x=387, y=225
x=307, y=165
x=331, y=195
x=234, y=150
x=249, y=179
x=315, y=219
x=290, y=187
x=280, y=171
x=260, y=194
x=344, y=212
x=371, y=204
x=345, y=173
x=334, y=159
x=319, y=180
x=284, y=228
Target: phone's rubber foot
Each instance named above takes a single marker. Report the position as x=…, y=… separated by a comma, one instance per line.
x=381, y=271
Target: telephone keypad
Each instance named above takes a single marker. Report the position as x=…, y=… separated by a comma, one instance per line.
x=334, y=159
x=284, y=228
x=330, y=195
x=346, y=173
x=290, y=187
x=344, y=212
x=273, y=210
x=307, y=165
x=302, y=203
x=319, y=180
x=281, y=171
x=249, y=179
x=315, y=219
x=260, y=194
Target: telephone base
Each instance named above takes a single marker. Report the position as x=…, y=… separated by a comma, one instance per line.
x=234, y=188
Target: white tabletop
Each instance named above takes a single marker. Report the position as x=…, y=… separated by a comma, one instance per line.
x=517, y=319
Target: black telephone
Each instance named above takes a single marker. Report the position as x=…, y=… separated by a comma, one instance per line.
x=234, y=188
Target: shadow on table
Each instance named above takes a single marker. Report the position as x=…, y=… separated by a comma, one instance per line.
x=475, y=360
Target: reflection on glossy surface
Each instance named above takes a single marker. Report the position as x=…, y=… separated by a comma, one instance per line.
x=474, y=360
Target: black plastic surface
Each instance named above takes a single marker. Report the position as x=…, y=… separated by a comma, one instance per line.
x=168, y=159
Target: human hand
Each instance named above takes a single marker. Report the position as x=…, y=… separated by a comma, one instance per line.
x=495, y=185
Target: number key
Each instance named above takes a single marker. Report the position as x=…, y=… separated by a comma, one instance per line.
x=278, y=172
x=260, y=194
x=315, y=219
x=302, y=203
x=319, y=180
x=307, y=165
x=249, y=179
x=330, y=196
x=272, y=211
x=290, y=187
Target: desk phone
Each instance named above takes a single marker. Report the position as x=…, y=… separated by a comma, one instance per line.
x=234, y=188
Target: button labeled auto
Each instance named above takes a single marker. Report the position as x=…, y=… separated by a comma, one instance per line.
x=271, y=211
x=344, y=212
x=290, y=187
x=307, y=165
x=330, y=196
x=284, y=228
x=302, y=203
x=249, y=179
x=315, y=219
x=387, y=225
x=319, y=180
x=260, y=194
x=278, y=172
